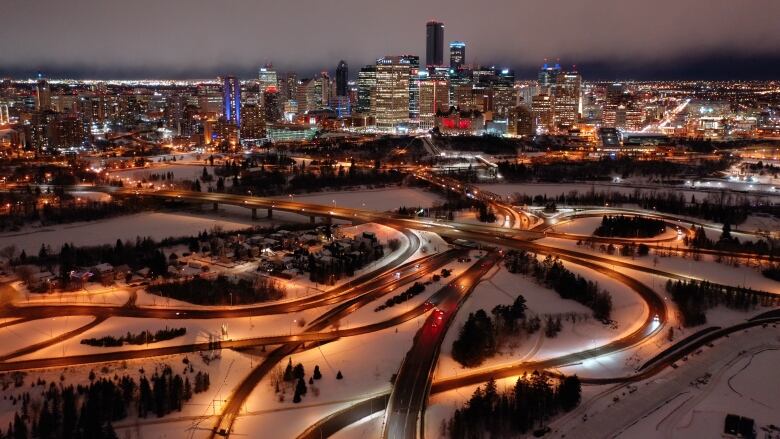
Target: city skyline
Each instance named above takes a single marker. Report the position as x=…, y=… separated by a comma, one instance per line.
x=604, y=39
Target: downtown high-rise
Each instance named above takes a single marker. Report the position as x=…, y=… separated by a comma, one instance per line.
x=434, y=44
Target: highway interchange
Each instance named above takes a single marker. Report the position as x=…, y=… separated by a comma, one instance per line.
x=406, y=402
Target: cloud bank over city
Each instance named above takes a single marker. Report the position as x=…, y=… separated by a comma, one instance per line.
x=196, y=38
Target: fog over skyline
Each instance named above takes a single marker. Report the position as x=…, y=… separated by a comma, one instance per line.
x=712, y=39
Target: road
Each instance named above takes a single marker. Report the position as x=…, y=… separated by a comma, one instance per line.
x=410, y=390
x=380, y=286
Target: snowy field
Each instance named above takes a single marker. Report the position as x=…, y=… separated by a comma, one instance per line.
x=501, y=287
x=157, y=225
x=25, y=334
x=685, y=402
x=367, y=363
x=705, y=269
x=180, y=172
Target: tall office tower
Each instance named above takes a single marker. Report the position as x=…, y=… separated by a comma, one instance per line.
x=272, y=105
x=615, y=97
x=43, y=94
x=566, y=99
x=366, y=88
x=342, y=76
x=324, y=90
x=414, y=87
x=210, y=98
x=547, y=76
x=4, y=119
x=504, y=98
x=434, y=97
x=392, y=92
x=434, y=44
x=252, y=122
x=41, y=127
x=457, y=54
x=464, y=96
x=307, y=95
x=291, y=87
x=542, y=111
x=231, y=99
x=520, y=121
x=267, y=77
x=68, y=131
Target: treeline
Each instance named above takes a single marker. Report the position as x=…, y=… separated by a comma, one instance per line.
x=551, y=273
x=772, y=273
x=629, y=227
x=399, y=298
x=342, y=177
x=24, y=208
x=722, y=207
x=694, y=298
x=532, y=402
x=602, y=170
x=143, y=337
x=220, y=291
x=89, y=411
x=728, y=242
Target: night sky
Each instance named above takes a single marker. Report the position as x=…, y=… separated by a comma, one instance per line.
x=606, y=39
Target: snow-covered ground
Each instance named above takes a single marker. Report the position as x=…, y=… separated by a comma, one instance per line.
x=367, y=363
x=706, y=268
x=21, y=335
x=501, y=288
x=684, y=402
x=180, y=172
x=157, y=225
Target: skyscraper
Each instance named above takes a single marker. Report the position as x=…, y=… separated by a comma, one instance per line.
x=43, y=94
x=414, y=86
x=547, y=76
x=392, y=92
x=434, y=97
x=457, y=54
x=272, y=105
x=231, y=99
x=434, y=44
x=342, y=76
x=267, y=77
x=566, y=99
x=366, y=88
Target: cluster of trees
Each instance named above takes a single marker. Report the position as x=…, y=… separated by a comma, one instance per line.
x=772, y=272
x=342, y=262
x=551, y=273
x=143, y=337
x=694, y=298
x=88, y=411
x=220, y=291
x=567, y=170
x=342, y=177
x=728, y=242
x=410, y=292
x=480, y=336
x=295, y=377
x=61, y=208
x=532, y=402
x=629, y=227
x=721, y=207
